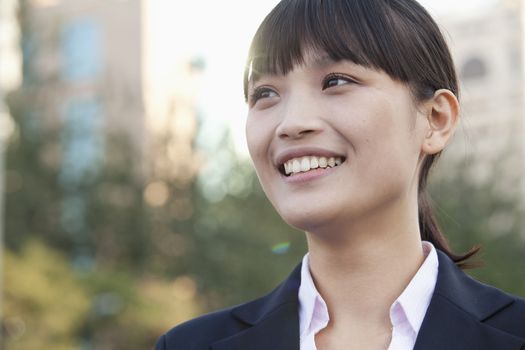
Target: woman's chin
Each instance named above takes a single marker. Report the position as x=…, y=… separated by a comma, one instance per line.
x=308, y=221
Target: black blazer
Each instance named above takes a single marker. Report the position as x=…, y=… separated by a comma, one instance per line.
x=463, y=314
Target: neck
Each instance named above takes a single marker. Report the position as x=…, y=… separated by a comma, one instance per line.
x=361, y=269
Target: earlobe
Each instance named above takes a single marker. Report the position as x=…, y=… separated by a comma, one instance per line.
x=442, y=117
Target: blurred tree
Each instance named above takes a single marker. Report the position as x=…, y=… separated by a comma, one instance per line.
x=245, y=248
x=32, y=190
x=121, y=296
x=482, y=210
x=35, y=198
x=49, y=306
x=220, y=230
x=44, y=303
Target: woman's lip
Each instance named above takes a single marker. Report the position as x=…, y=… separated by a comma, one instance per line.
x=290, y=153
x=310, y=175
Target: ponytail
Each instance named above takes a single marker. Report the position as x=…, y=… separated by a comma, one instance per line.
x=428, y=226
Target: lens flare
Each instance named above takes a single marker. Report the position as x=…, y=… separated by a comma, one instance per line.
x=281, y=248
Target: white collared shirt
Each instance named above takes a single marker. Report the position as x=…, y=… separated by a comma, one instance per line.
x=406, y=313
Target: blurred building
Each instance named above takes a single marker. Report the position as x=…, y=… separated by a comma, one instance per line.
x=91, y=73
x=82, y=78
x=90, y=53
x=488, y=51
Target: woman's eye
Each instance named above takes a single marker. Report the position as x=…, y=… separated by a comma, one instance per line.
x=336, y=80
x=260, y=93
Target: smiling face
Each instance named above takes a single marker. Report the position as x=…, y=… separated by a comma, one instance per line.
x=334, y=142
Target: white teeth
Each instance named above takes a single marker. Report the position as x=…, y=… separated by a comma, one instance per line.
x=304, y=164
x=296, y=166
x=314, y=162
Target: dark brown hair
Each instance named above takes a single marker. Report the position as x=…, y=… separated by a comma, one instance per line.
x=398, y=37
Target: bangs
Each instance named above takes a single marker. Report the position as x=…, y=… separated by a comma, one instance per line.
x=370, y=33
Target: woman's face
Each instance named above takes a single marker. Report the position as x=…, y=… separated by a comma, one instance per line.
x=334, y=142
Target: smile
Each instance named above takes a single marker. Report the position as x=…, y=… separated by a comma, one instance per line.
x=304, y=164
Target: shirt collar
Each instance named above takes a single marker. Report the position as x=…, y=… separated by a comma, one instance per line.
x=312, y=307
x=414, y=300
x=410, y=306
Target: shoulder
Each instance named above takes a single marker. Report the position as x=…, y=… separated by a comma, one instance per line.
x=511, y=318
x=489, y=305
x=200, y=332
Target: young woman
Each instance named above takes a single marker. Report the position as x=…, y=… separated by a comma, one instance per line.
x=350, y=103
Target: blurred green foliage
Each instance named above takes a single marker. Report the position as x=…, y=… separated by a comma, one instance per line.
x=43, y=301
x=486, y=214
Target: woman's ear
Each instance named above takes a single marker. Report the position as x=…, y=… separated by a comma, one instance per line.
x=442, y=117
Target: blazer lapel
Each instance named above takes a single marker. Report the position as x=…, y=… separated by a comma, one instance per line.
x=454, y=319
x=273, y=320
x=455, y=316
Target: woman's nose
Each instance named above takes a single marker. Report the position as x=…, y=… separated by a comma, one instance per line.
x=299, y=119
